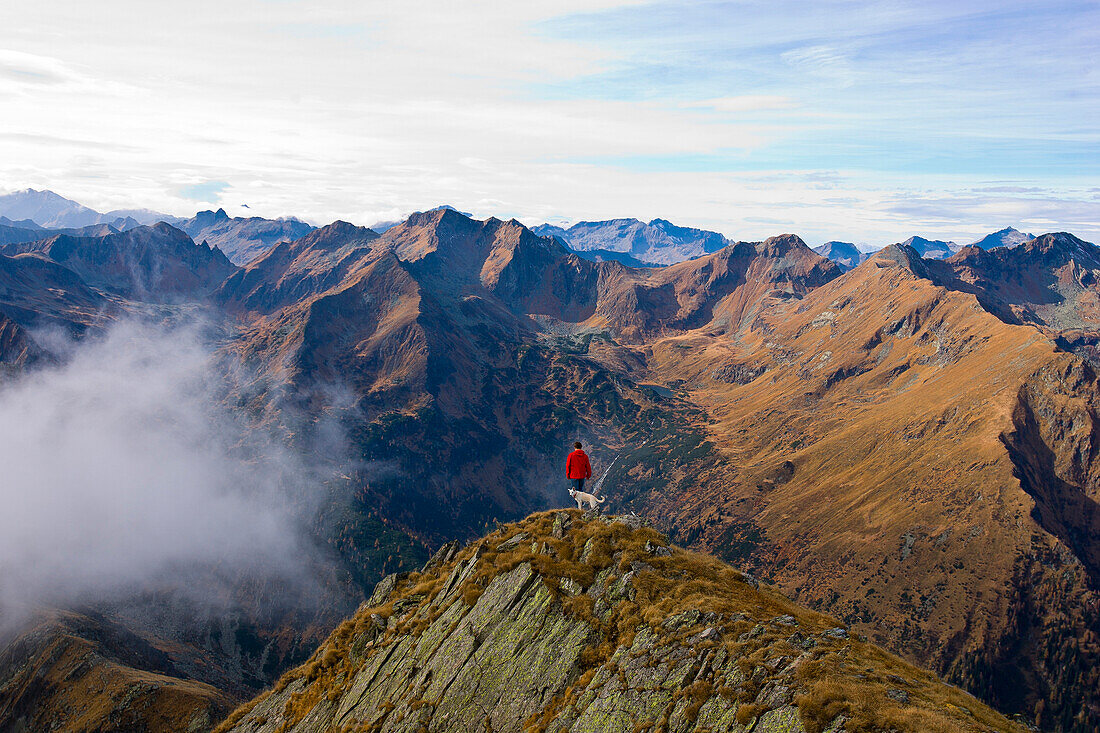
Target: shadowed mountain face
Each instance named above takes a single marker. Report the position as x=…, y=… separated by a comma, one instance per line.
x=71, y=671
x=158, y=262
x=907, y=445
x=290, y=272
x=15, y=235
x=17, y=349
x=241, y=239
x=36, y=291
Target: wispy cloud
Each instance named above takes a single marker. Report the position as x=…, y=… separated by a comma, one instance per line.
x=22, y=72
x=746, y=103
x=823, y=62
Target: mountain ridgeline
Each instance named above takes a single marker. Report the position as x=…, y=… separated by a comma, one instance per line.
x=904, y=444
x=562, y=624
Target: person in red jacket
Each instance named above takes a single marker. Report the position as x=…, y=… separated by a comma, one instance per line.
x=577, y=467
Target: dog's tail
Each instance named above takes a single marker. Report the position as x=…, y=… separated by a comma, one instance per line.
x=601, y=500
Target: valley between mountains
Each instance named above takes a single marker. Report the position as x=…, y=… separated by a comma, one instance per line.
x=905, y=448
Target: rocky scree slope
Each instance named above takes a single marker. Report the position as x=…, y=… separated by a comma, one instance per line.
x=568, y=622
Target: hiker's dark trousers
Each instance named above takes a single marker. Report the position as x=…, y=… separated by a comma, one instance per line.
x=578, y=484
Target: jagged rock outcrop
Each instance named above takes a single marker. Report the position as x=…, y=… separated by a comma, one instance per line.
x=570, y=623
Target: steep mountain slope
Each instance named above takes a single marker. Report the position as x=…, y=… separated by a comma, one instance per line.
x=453, y=334
x=844, y=254
x=562, y=624
x=887, y=449
x=242, y=239
x=1052, y=281
x=292, y=271
x=35, y=291
x=17, y=349
x=156, y=262
x=658, y=242
x=1007, y=237
x=79, y=673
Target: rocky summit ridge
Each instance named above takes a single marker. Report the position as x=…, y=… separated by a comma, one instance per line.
x=571, y=622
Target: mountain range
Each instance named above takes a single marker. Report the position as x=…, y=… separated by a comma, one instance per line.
x=848, y=255
x=241, y=238
x=659, y=242
x=51, y=211
x=630, y=241
x=904, y=444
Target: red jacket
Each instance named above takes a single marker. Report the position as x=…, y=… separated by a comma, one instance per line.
x=577, y=465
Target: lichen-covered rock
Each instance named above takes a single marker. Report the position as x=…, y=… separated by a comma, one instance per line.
x=563, y=625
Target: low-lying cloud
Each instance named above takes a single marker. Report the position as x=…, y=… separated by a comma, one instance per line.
x=120, y=469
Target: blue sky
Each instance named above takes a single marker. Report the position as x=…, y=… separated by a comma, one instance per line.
x=864, y=121
x=956, y=88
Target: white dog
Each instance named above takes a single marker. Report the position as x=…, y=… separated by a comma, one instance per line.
x=582, y=498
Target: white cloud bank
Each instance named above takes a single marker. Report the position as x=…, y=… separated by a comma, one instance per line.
x=120, y=470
